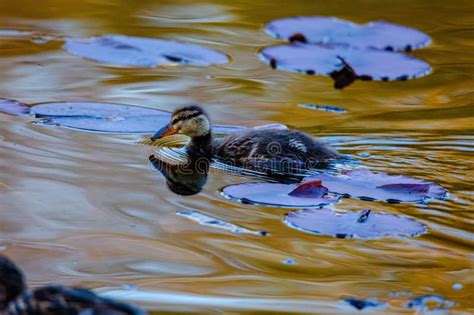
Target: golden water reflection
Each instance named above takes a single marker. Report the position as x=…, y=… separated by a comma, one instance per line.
x=88, y=209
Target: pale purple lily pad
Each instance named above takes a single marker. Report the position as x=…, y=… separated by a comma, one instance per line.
x=102, y=117
x=13, y=107
x=330, y=30
x=122, y=50
x=350, y=63
x=115, y=118
x=277, y=195
x=365, y=224
x=365, y=185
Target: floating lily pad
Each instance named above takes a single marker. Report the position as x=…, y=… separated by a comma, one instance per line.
x=102, y=117
x=205, y=219
x=365, y=224
x=365, y=185
x=329, y=30
x=13, y=107
x=111, y=118
x=345, y=64
x=280, y=195
x=122, y=50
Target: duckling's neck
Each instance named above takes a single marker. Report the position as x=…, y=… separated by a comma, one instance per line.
x=201, y=147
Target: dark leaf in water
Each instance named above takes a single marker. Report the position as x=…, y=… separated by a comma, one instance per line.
x=13, y=107
x=115, y=118
x=364, y=224
x=329, y=30
x=366, y=185
x=122, y=50
x=278, y=195
x=309, y=189
x=364, y=304
x=429, y=302
x=345, y=64
x=345, y=76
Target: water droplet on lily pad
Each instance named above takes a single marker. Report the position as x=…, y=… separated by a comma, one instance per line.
x=330, y=30
x=279, y=195
x=119, y=50
x=365, y=224
x=345, y=64
x=365, y=185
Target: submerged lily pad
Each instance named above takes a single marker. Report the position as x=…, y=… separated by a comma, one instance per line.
x=13, y=107
x=205, y=219
x=365, y=224
x=122, y=50
x=280, y=195
x=345, y=63
x=429, y=302
x=325, y=108
x=330, y=30
x=365, y=185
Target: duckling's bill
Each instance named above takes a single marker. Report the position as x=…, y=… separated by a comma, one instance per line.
x=167, y=130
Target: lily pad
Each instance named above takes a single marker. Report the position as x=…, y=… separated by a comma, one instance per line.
x=102, y=117
x=111, y=117
x=13, y=107
x=280, y=195
x=345, y=64
x=122, y=50
x=365, y=185
x=330, y=30
x=365, y=224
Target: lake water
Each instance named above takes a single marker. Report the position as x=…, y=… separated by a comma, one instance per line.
x=87, y=209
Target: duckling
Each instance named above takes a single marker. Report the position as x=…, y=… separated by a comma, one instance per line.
x=52, y=300
x=264, y=149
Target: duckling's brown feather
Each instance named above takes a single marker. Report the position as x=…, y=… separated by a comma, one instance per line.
x=272, y=145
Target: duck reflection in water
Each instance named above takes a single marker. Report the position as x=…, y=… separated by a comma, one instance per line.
x=185, y=179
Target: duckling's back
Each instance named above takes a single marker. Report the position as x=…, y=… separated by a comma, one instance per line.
x=273, y=147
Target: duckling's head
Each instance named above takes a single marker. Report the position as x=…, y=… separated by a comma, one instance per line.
x=190, y=121
x=12, y=282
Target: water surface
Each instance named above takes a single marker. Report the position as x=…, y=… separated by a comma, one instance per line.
x=87, y=209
